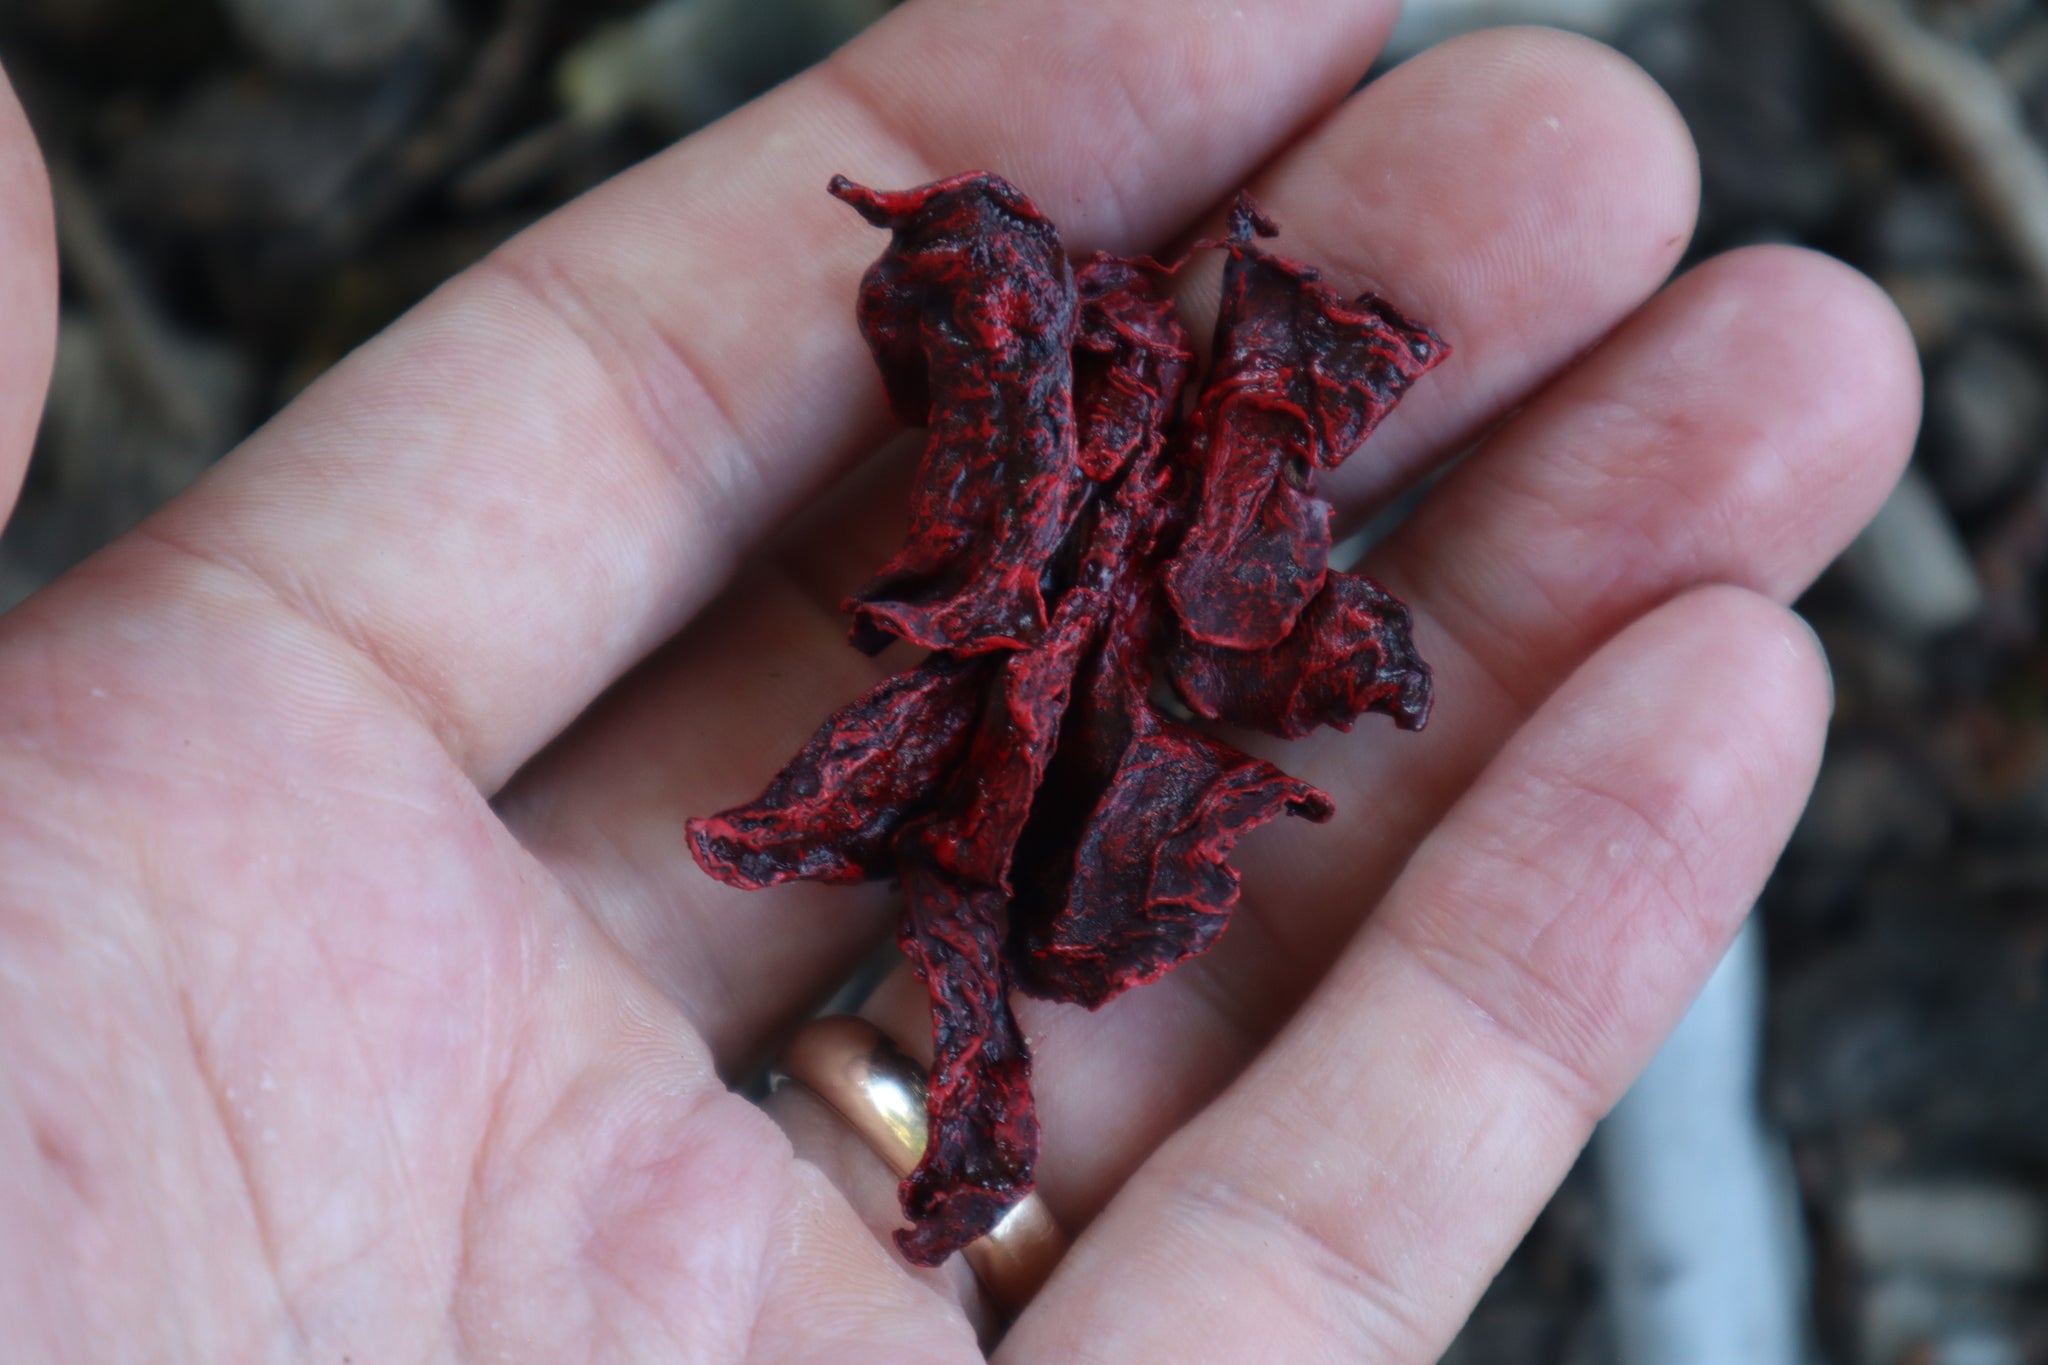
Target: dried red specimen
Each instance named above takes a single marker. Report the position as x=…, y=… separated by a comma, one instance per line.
x=1350, y=652
x=833, y=813
x=1053, y=830
x=984, y=1131
x=1300, y=378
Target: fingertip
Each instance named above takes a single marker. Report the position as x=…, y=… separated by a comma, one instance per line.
x=1820, y=651
x=1819, y=343
x=1785, y=656
x=1870, y=361
x=1755, y=672
x=28, y=228
x=1602, y=165
x=1600, y=98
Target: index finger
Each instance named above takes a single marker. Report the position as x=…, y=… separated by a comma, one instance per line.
x=574, y=442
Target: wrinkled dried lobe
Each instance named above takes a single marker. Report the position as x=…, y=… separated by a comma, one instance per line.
x=971, y=316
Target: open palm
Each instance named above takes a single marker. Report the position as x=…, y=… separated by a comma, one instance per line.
x=359, y=1000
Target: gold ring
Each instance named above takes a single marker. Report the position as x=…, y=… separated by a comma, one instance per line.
x=867, y=1080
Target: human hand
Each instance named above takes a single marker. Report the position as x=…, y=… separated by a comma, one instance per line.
x=357, y=1004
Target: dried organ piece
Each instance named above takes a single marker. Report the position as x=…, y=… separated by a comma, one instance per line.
x=971, y=315
x=1138, y=358
x=833, y=813
x=983, y=1146
x=1131, y=359
x=1300, y=379
x=1350, y=652
x=1053, y=830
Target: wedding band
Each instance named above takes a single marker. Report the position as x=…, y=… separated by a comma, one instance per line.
x=867, y=1080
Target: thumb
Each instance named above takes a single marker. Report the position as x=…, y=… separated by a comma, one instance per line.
x=28, y=292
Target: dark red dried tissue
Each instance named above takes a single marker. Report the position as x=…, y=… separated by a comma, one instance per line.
x=1074, y=535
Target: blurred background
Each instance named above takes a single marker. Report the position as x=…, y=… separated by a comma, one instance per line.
x=1844, y=1156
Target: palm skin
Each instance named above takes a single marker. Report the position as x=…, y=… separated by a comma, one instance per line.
x=357, y=997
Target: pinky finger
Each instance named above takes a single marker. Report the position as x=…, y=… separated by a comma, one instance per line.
x=1353, y=1193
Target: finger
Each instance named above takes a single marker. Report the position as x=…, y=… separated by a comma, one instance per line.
x=28, y=292
x=701, y=729
x=1359, y=1186
x=1739, y=430
x=515, y=492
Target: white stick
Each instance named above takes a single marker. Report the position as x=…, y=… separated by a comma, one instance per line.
x=1706, y=1264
